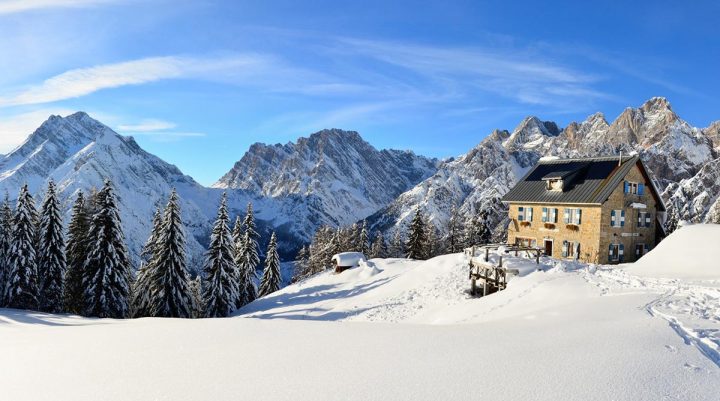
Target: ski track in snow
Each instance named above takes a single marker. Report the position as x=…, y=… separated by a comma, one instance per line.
x=691, y=310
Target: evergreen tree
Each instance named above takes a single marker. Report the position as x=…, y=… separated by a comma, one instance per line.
x=142, y=288
x=416, y=247
x=432, y=245
x=23, y=284
x=198, y=305
x=250, y=228
x=271, y=278
x=364, y=239
x=237, y=232
x=51, y=253
x=107, y=272
x=455, y=234
x=397, y=246
x=6, y=227
x=220, y=290
x=76, y=253
x=169, y=282
x=671, y=223
x=377, y=250
x=245, y=256
x=302, y=260
x=484, y=232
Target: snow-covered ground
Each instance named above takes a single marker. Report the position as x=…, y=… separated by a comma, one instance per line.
x=400, y=330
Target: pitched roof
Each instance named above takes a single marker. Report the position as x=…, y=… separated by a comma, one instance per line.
x=585, y=181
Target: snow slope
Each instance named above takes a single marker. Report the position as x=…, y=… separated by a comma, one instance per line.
x=566, y=331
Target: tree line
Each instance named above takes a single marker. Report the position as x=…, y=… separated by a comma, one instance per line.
x=87, y=270
x=421, y=240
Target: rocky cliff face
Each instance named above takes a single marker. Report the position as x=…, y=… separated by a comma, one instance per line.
x=334, y=176
x=680, y=156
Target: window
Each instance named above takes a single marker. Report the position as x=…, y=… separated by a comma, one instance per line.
x=553, y=215
x=521, y=213
x=634, y=188
x=641, y=249
x=616, y=252
x=572, y=216
x=531, y=242
x=549, y=215
x=617, y=218
x=570, y=249
x=644, y=219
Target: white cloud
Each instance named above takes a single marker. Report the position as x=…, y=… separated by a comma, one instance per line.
x=15, y=129
x=17, y=6
x=148, y=125
x=243, y=69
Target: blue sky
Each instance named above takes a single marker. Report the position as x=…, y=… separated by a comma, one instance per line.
x=197, y=82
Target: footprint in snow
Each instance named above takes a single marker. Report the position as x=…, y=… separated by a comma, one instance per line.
x=671, y=349
x=693, y=368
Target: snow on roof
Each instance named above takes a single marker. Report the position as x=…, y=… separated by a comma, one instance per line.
x=636, y=205
x=348, y=258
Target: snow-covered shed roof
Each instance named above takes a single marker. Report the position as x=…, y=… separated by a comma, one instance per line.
x=348, y=258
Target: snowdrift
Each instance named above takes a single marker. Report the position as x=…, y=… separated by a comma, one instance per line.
x=688, y=253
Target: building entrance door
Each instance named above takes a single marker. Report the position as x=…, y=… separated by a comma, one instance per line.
x=548, y=247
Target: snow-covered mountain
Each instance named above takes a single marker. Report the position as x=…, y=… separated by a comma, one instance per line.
x=79, y=153
x=333, y=177
x=679, y=155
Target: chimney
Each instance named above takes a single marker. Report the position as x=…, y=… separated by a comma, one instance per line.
x=620, y=161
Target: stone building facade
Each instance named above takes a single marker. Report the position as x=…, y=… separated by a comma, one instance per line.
x=597, y=210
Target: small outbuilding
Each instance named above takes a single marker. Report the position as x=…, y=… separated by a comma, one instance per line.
x=347, y=260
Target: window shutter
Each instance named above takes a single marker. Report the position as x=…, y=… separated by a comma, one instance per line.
x=544, y=214
x=647, y=248
x=641, y=189
x=529, y=214
x=565, y=249
x=626, y=187
x=567, y=216
x=622, y=218
x=637, y=250
x=612, y=218
x=578, y=215
x=521, y=213
x=577, y=250
x=610, y=251
x=554, y=215
x=648, y=219
x=621, y=252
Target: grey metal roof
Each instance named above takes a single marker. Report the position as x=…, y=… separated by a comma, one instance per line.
x=590, y=180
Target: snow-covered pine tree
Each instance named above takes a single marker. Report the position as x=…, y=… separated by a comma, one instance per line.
x=141, y=288
x=107, y=272
x=364, y=239
x=397, y=246
x=302, y=260
x=271, y=277
x=198, y=306
x=6, y=227
x=416, y=247
x=237, y=231
x=432, y=246
x=455, y=234
x=170, y=294
x=250, y=228
x=377, y=250
x=75, y=254
x=247, y=272
x=23, y=284
x=51, y=253
x=220, y=290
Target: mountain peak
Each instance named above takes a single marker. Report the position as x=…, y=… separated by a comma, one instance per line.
x=656, y=104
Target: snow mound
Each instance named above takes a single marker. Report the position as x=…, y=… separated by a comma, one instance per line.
x=688, y=253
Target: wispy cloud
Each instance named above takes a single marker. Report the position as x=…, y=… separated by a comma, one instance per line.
x=148, y=125
x=17, y=6
x=251, y=69
x=157, y=130
x=14, y=129
x=511, y=73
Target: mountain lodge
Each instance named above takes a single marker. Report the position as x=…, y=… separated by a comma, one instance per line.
x=596, y=210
